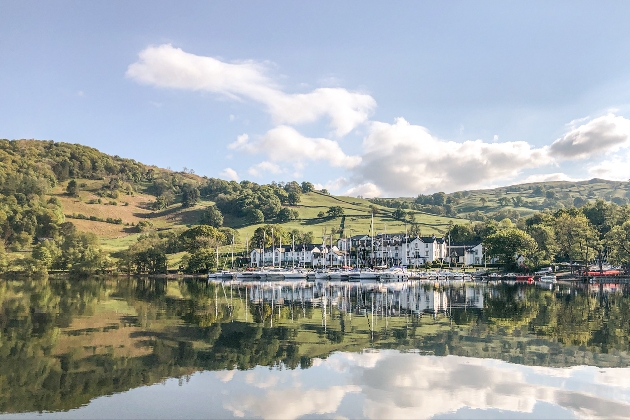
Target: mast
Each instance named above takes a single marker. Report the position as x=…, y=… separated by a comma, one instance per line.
x=273, y=249
x=293, y=250
x=263, y=247
x=217, y=257
x=372, y=236
x=247, y=247
x=232, y=251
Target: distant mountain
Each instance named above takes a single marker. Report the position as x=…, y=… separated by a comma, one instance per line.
x=515, y=201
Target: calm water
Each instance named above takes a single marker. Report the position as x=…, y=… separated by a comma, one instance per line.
x=127, y=348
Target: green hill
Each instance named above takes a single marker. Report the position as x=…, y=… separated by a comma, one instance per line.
x=44, y=185
x=515, y=201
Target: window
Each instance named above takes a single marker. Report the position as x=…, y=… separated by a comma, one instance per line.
x=426, y=254
x=426, y=245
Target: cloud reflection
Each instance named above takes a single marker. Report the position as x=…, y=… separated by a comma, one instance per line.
x=391, y=384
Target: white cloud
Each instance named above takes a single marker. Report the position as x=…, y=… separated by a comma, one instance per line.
x=495, y=138
x=556, y=176
x=405, y=159
x=292, y=403
x=241, y=143
x=367, y=190
x=229, y=174
x=603, y=134
x=166, y=66
x=264, y=167
x=225, y=375
x=615, y=168
x=285, y=144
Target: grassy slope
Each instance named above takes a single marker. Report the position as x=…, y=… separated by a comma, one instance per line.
x=357, y=212
x=565, y=192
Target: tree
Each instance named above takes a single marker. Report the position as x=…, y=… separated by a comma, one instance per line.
x=211, y=216
x=255, y=216
x=73, y=188
x=190, y=195
x=293, y=198
x=439, y=198
x=538, y=191
x=201, y=261
x=4, y=261
x=81, y=253
x=335, y=211
x=46, y=253
x=504, y=201
x=307, y=187
x=506, y=244
x=399, y=214
x=618, y=242
x=263, y=236
x=202, y=236
x=285, y=215
x=462, y=233
x=483, y=201
x=518, y=201
x=572, y=233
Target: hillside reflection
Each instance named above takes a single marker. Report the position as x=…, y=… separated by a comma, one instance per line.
x=64, y=343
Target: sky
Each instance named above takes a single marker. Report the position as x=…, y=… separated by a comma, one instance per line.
x=362, y=98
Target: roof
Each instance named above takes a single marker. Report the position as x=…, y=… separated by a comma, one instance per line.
x=471, y=244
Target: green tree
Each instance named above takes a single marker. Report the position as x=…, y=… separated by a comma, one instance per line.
x=190, y=195
x=506, y=244
x=293, y=198
x=255, y=216
x=399, y=214
x=201, y=261
x=202, y=236
x=572, y=233
x=264, y=234
x=286, y=214
x=47, y=254
x=618, y=242
x=335, y=211
x=73, y=188
x=307, y=187
x=212, y=216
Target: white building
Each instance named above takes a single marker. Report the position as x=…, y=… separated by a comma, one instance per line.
x=469, y=253
x=303, y=256
x=421, y=250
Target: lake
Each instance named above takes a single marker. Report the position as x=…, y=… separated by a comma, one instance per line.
x=155, y=348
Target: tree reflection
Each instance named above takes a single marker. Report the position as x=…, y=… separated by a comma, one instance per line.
x=64, y=342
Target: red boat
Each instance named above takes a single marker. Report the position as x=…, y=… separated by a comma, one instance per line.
x=525, y=279
x=604, y=273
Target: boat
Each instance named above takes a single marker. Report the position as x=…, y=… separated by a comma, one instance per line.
x=394, y=274
x=321, y=274
x=550, y=278
x=294, y=274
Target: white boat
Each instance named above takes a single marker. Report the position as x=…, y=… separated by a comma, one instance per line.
x=224, y=274
x=321, y=274
x=548, y=279
x=394, y=274
x=358, y=275
x=248, y=275
x=294, y=274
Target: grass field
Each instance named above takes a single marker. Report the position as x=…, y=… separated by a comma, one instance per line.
x=356, y=220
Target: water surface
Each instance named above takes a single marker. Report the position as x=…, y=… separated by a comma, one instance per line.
x=142, y=348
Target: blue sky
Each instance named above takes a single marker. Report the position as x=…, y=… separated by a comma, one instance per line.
x=366, y=98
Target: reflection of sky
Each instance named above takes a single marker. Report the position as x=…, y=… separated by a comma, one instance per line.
x=386, y=384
